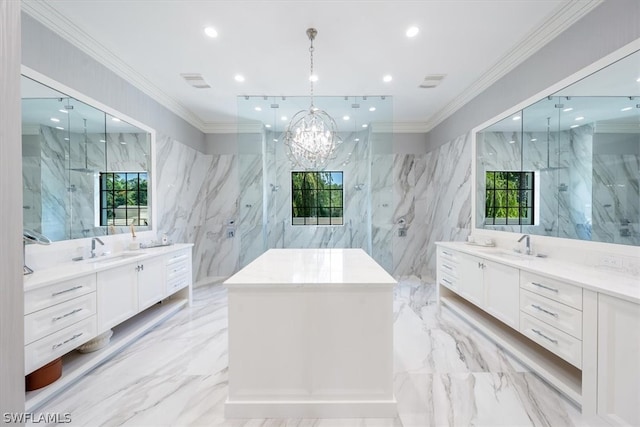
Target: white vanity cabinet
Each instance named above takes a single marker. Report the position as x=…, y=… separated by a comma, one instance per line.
x=151, y=282
x=62, y=313
x=501, y=292
x=577, y=327
x=492, y=286
x=551, y=315
x=117, y=295
x=58, y=318
x=619, y=358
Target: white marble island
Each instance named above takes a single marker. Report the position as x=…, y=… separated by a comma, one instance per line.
x=311, y=336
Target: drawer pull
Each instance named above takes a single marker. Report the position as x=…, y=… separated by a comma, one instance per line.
x=66, y=341
x=540, y=285
x=66, y=290
x=550, y=313
x=544, y=336
x=447, y=282
x=447, y=267
x=446, y=253
x=71, y=313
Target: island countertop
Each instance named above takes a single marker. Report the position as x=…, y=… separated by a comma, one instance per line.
x=307, y=267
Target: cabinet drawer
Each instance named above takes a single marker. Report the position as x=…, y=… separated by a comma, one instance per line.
x=43, y=351
x=177, y=281
x=47, y=296
x=49, y=320
x=448, y=281
x=558, y=315
x=554, y=289
x=554, y=340
x=448, y=268
x=447, y=254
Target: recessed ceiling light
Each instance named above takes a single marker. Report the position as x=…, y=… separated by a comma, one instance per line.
x=412, y=32
x=53, y=119
x=239, y=78
x=211, y=32
x=516, y=118
x=579, y=118
x=357, y=139
x=626, y=108
x=313, y=78
x=267, y=125
x=59, y=127
x=568, y=109
x=372, y=108
x=365, y=125
x=123, y=142
x=534, y=139
x=345, y=117
x=115, y=119
x=66, y=139
x=387, y=78
x=102, y=140
x=258, y=108
x=638, y=79
x=275, y=140
x=574, y=126
x=63, y=111
x=283, y=118
x=512, y=142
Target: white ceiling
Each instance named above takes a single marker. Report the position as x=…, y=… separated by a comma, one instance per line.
x=151, y=42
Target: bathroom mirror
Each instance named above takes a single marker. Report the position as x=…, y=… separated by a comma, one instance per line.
x=85, y=172
x=582, y=149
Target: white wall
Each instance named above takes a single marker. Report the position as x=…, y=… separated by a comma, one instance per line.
x=11, y=291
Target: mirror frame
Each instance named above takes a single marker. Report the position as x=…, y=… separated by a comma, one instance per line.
x=152, y=197
x=596, y=66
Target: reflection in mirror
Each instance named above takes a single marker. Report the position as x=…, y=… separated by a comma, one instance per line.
x=67, y=145
x=584, y=151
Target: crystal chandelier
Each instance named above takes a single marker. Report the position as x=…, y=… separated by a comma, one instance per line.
x=311, y=136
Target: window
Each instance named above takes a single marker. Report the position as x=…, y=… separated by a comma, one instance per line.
x=316, y=198
x=509, y=198
x=123, y=198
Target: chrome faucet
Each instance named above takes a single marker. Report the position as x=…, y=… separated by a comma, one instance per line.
x=527, y=243
x=93, y=246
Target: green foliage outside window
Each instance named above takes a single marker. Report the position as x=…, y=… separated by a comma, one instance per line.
x=123, y=198
x=509, y=198
x=317, y=198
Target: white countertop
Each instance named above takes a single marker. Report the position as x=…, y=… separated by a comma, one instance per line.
x=73, y=269
x=312, y=267
x=606, y=281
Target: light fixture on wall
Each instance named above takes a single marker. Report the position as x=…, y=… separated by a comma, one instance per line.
x=311, y=136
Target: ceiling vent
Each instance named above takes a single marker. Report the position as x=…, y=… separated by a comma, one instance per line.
x=196, y=80
x=432, y=80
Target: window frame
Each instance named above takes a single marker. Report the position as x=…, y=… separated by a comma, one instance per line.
x=311, y=214
x=107, y=215
x=518, y=194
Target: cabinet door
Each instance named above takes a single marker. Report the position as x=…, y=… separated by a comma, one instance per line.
x=117, y=295
x=618, y=360
x=502, y=292
x=151, y=287
x=471, y=278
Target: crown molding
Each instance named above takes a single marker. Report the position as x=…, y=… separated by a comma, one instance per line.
x=399, y=127
x=47, y=15
x=558, y=22
x=233, y=127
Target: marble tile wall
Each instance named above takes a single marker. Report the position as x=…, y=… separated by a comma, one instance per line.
x=199, y=193
x=446, y=199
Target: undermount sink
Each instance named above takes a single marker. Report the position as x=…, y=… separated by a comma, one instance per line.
x=113, y=258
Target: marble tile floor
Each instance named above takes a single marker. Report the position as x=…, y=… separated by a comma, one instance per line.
x=446, y=374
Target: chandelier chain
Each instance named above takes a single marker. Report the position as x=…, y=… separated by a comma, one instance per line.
x=311, y=74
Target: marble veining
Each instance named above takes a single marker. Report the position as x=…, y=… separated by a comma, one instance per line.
x=446, y=374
